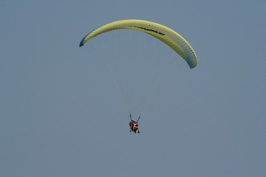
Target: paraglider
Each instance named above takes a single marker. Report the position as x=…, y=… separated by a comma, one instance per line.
x=134, y=126
x=161, y=32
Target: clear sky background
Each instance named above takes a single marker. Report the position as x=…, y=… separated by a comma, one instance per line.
x=62, y=113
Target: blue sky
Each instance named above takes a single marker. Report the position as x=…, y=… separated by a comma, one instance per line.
x=62, y=113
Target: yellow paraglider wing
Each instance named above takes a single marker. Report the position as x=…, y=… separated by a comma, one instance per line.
x=161, y=32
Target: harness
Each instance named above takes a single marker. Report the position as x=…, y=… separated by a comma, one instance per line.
x=134, y=126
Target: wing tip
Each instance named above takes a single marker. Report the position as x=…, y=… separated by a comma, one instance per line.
x=81, y=43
